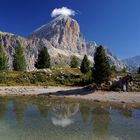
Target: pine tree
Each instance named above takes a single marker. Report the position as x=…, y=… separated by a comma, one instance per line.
x=19, y=62
x=85, y=65
x=113, y=68
x=3, y=60
x=74, y=62
x=139, y=70
x=124, y=70
x=43, y=59
x=102, y=71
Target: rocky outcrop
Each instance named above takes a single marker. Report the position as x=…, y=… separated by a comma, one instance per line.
x=62, y=33
x=9, y=41
x=63, y=39
x=114, y=60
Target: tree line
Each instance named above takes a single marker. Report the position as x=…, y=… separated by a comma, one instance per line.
x=19, y=61
x=101, y=69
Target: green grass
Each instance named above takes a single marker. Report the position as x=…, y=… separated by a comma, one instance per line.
x=67, y=71
x=136, y=76
x=52, y=78
x=119, y=73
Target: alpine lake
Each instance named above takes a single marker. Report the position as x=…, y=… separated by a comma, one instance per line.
x=40, y=118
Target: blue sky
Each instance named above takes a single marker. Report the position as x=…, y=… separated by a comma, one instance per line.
x=113, y=23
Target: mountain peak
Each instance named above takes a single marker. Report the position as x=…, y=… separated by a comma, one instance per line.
x=65, y=18
x=62, y=19
x=63, y=32
x=63, y=38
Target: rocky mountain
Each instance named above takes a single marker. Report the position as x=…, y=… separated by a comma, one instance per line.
x=9, y=41
x=62, y=37
x=114, y=60
x=133, y=61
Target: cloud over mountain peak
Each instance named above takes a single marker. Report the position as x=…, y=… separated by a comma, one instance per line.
x=62, y=11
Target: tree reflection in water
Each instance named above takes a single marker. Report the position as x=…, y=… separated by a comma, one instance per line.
x=3, y=109
x=62, y=114
x=126, y=111
x=101, y=121
x=43, y=110
x=70, y=120
x=19, y=108
x=85, y=113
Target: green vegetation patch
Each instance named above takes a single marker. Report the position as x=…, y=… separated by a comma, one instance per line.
x=57, y=77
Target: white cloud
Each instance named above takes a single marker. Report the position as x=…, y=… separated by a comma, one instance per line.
x=62, y=11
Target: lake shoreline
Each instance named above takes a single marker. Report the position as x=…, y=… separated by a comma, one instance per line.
x=76, y=93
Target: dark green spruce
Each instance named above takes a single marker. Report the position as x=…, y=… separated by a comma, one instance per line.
x=139, y=70
x=85, y=65
x=19, y=62
x=102, y=70
x=3, y=60
x=43, y=60
x=74, y=63
x=113, y=68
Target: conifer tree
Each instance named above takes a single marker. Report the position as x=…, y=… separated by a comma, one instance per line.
x=139, y=70
x=85, y=65
x=3, y=60
x=19, y=62
x=101, y=71
x=43, y=60
x=74, y=62
x=113, y=68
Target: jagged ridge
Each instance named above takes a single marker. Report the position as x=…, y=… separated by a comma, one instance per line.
x=61, y=36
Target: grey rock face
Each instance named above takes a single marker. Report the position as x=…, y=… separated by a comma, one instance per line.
x=62, y=33
x=61, y=36
x=115, y=61
x=9, y=41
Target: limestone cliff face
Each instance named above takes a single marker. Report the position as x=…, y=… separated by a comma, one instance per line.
x=63, y=33
x=61, y=36
x=9, y=41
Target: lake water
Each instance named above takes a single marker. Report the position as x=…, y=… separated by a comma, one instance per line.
x=43, y=119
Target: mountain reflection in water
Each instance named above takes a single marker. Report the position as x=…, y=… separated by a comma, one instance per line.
x=60, y=119
x=62, y=114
